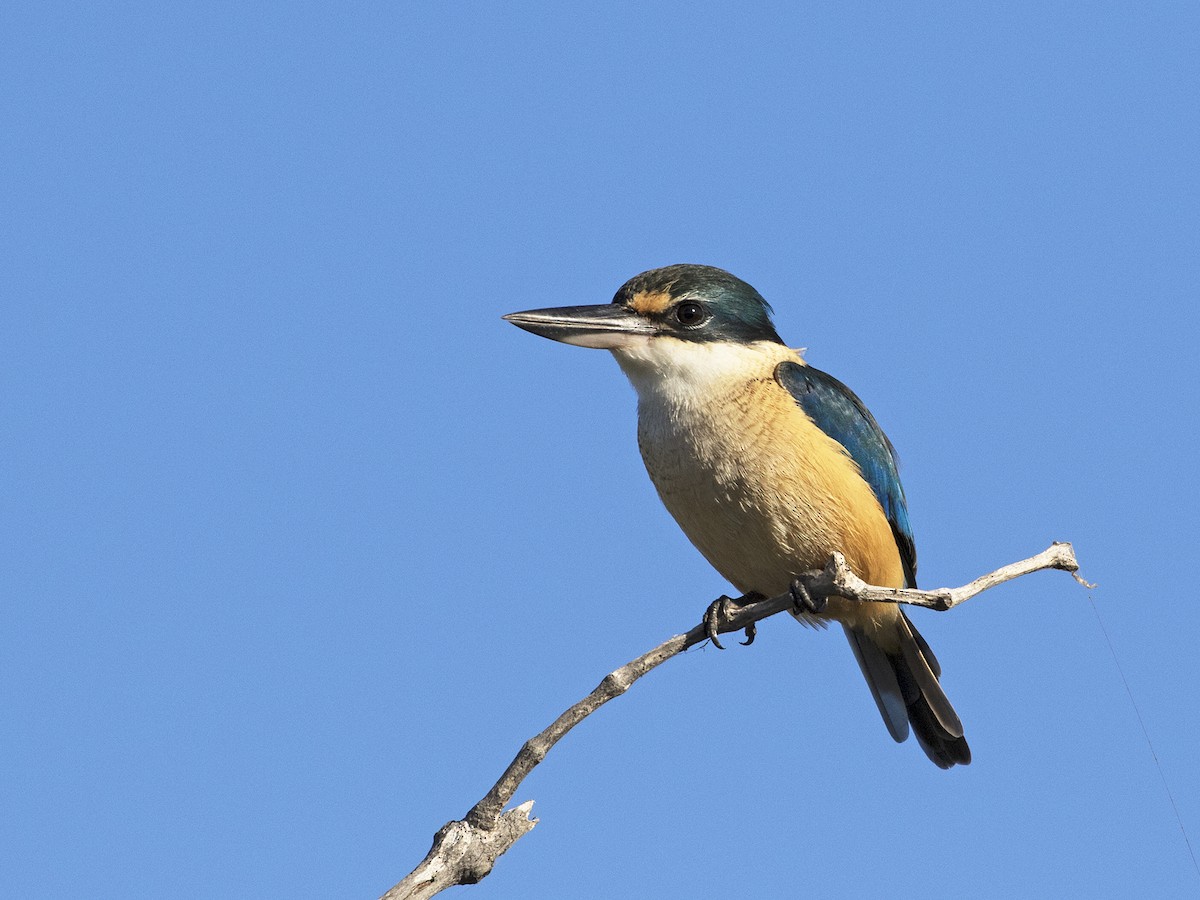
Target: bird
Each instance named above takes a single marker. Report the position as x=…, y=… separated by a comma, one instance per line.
x=769, y=466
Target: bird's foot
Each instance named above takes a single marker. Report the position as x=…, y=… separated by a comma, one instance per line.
x=716, y=615
x=802, y=599
x=721, y=612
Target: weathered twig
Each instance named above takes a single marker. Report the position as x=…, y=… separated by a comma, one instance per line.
x=464, y=851
x=836, y=580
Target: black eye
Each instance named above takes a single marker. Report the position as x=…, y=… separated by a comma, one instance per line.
x=690, y=313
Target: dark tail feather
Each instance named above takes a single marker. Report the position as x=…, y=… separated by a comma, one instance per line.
x=905, y=687
x=881, y=679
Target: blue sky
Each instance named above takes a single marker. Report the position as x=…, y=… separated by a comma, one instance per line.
x=301, y=541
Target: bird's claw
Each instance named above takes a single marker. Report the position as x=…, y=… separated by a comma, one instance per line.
x=721, y=612
x=803, y=600
x=716, y=615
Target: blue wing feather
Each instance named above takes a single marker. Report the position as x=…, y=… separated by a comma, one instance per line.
x=835, y=409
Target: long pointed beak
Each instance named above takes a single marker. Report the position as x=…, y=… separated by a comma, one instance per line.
x=609, y=326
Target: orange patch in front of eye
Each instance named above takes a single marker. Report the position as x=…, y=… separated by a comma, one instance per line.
x=650, y=303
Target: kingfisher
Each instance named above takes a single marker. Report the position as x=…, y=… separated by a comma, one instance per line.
x=769, y=466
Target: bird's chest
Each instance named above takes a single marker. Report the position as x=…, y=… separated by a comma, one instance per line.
x=752, y=482
x=703, y=458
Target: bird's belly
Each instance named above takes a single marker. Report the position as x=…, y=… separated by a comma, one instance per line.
x=755, y=537
x=763, y=498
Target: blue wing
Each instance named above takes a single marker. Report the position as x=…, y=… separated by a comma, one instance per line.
x=836, y=411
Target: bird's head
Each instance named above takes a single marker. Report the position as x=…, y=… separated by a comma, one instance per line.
x=681, y=303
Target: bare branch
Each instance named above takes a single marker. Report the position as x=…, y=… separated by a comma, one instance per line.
x=836, y=579
x=464, y=851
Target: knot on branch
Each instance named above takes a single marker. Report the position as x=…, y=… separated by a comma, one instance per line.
x=614, y=684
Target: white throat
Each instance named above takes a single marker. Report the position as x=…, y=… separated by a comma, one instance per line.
x=666, y=369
